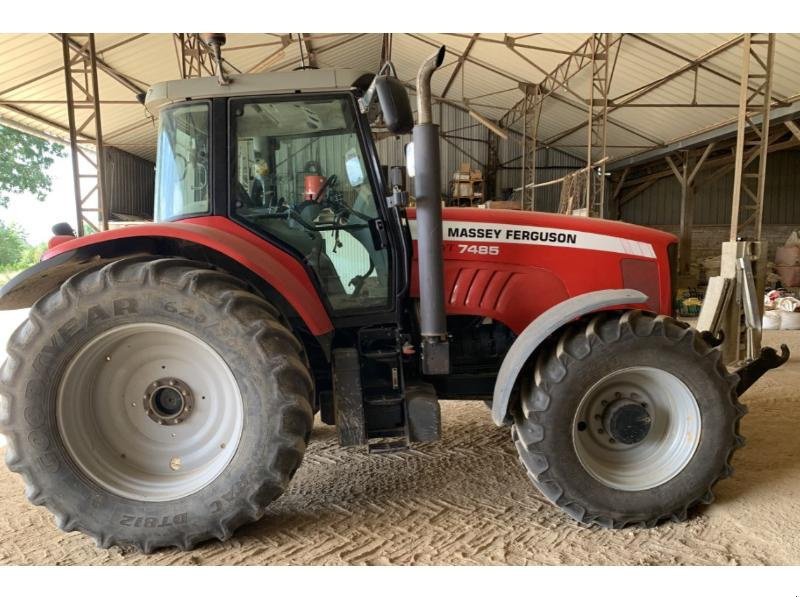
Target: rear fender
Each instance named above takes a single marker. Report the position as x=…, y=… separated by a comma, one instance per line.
x=208, y=238
x=543, y=327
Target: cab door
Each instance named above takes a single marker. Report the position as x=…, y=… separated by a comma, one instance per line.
x=303, y=176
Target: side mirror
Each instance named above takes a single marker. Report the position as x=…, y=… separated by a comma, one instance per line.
x=394, y=103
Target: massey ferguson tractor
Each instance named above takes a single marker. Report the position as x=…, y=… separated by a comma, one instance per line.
x=162, y=390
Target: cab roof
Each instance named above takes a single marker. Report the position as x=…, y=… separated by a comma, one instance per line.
x=308, y=80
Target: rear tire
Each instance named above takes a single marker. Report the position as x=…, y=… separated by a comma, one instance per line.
x=110, y=453
x=659, y=463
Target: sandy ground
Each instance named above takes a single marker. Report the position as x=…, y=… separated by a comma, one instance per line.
x=466, y=500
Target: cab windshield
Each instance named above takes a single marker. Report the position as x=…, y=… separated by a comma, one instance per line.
x=300, y=176
x=182, y=164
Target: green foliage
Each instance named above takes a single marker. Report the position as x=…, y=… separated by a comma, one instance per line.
x=24, y=164
x=12, y=244
x=16, y=253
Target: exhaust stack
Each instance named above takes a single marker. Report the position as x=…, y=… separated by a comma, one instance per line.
x=427, y=185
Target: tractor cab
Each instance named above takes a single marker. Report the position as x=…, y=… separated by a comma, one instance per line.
x=299, y=169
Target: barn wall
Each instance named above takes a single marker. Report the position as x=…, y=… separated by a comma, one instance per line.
x=660, y=204
x=129, y=184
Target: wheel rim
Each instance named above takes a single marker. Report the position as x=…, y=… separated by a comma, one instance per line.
x=149, y=412
x=636, y=428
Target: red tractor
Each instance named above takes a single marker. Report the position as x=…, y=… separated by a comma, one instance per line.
x=162, y=390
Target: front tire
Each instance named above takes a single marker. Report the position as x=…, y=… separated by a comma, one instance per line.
x=154, y=403
x=628, y=419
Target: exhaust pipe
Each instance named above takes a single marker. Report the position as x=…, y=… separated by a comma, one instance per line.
x=427, y=185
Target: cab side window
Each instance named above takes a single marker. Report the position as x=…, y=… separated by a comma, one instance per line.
x=300, y=177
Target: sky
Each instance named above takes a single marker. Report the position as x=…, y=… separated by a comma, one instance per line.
x=35, y=217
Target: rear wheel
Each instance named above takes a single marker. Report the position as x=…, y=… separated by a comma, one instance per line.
x=154, y=403
x=628, y=419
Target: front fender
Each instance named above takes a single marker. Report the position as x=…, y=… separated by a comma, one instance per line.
x=541, y=328
x=280, y=270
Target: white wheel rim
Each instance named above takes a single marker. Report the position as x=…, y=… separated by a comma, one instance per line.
x=667, y=447
x=101, y=412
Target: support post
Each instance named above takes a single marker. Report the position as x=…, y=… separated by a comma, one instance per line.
x=747, y=209
x=601, y=47
x=492, y=166
x=532, y=111
x=83, y=97
x=687, y=220
x=193, y=56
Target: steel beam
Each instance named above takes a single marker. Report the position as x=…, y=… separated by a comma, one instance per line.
x=627, y=99
x=83, y=113
x=460, y=64
x=701, y=62
x=121, y=78
x=713, y=134
x=194, y=60
x=310, y=55
x=558, y=77
x=532, y=111
x=684, y=175
x=604, y=48
x=747, y=208
x=274, y=55
x=793, y=128
x=492, y=166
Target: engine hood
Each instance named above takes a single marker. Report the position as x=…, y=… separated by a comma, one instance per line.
x=549, y=229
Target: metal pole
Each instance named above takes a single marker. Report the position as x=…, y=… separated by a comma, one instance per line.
x=747, y=208
x=687, y=220
x=740, y=132
x=98, y=139
x=73, y=137
x=762, y=161
x=590, y=127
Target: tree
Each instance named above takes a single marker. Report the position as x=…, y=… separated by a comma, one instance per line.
x=24, y=165
x=12, y=244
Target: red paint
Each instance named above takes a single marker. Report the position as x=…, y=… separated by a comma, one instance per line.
x=281, y=270
x=514, y=287
x=58, y=239
x=524, y=280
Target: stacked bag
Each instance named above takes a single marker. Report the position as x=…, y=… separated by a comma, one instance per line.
x=781, y=311
x=787, y=261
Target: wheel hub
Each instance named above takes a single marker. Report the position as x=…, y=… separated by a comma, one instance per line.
x=149, y=412
x=636, y=428
x=168, y=401
x=627, y=421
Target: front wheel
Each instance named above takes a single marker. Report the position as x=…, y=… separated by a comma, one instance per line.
x=154, y=403
x=628, y=419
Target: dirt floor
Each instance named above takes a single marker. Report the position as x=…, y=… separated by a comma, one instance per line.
x=466, y=500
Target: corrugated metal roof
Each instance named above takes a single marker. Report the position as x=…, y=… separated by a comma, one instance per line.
x=487, y=79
